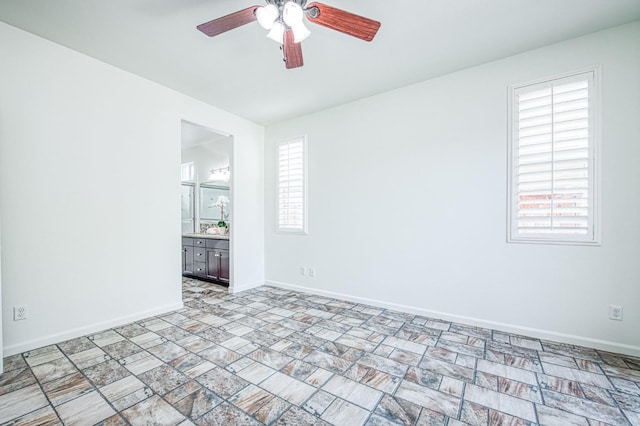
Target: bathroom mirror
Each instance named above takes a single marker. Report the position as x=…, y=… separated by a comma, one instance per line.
x=206, y=175
x=210, y=215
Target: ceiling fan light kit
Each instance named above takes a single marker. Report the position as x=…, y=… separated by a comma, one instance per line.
x=300, y=32
x=292, y=13
x=284, y=19
x=277, y=32
x=267, y=15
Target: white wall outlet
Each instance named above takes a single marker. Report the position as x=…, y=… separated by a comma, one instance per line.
x=302, y=270
x=615, y=312
x=312, y=272
x=20, y=312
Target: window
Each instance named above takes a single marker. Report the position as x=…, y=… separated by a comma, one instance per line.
x=553, y=161
x=187, y=171
x=292, y=203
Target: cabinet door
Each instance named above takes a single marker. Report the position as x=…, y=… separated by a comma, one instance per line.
x=187, y=260
x=213, y=264
x=224, y=266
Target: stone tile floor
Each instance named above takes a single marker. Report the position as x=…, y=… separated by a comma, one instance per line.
x=279, y=357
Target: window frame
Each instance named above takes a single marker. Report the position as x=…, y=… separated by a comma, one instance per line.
x=304, y=229
x=594, y=236
x=192, y=171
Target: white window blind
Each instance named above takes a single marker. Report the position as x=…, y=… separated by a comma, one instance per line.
x=292, y=186
x=552, y=161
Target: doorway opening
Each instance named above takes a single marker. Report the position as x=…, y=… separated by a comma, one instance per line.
x=206, y=204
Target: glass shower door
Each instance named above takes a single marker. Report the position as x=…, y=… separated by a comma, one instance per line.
x=188, y=210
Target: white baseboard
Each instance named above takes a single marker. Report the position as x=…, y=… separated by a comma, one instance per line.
x=243, y=287
x=589, y=342
x=89, y=329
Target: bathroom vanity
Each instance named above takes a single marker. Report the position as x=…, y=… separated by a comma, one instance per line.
x=206, y=257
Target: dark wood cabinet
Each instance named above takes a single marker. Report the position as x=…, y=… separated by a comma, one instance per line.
x=224, y=266
x=206, y=258
x=187, y=260
x=213, y=264
x=218, y=260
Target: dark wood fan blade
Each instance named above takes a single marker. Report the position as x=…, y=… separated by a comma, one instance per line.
x=292, y=51
x=229, y=22
x=345, y=22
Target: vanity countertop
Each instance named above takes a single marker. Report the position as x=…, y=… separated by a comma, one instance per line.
x=209, y=236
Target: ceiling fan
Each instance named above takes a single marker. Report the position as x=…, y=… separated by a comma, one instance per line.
x=285, y=21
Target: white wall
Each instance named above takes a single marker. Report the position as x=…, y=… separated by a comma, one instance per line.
x=1, y=358
x=78, y=142
x=431, y=158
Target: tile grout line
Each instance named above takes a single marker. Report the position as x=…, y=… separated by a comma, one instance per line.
x=381, y=325
x=40, y=386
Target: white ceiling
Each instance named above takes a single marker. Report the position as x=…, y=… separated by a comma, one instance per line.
x=242, y=71
x=194, y=135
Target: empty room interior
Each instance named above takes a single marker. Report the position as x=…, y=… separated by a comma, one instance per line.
x=224, y=212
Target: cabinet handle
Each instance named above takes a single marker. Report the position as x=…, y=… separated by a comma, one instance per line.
x=217, y=255
x=198, y=254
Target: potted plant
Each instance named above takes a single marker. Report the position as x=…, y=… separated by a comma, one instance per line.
x=221, y=202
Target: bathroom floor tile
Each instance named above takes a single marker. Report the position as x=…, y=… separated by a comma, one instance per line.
x=13, y=380
x=153, y=411
x=105, y=373
x=18, y=403
x=270, y=356
x=67, y=388
x=53, y=370
x=89, y=357
x=163, y=379
x=222, y=382
x=354, y=392
x=88, y=409
x=287, y=388
x=225, y=415
x=341, y=412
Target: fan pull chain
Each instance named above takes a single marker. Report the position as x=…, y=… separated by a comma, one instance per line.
x=284, y=56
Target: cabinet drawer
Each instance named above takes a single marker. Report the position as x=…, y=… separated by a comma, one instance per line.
x=199, y=269
x=187, y=241
x=219, y=244
x=199, y=242
x=199, y=254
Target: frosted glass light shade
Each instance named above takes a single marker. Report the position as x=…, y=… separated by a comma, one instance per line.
x=277, y=32
x=300, y=32
x=292, y=13
x=267, y=15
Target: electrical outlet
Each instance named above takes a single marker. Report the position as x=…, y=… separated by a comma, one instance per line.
x=615, y=312
x=302, y=270
x=20, y=312
x=312, y=272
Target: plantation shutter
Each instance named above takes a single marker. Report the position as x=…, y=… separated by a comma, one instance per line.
x=553, y=159
x=291, y=186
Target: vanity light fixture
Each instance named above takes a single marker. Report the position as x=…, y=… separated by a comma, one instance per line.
x=223, y=174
